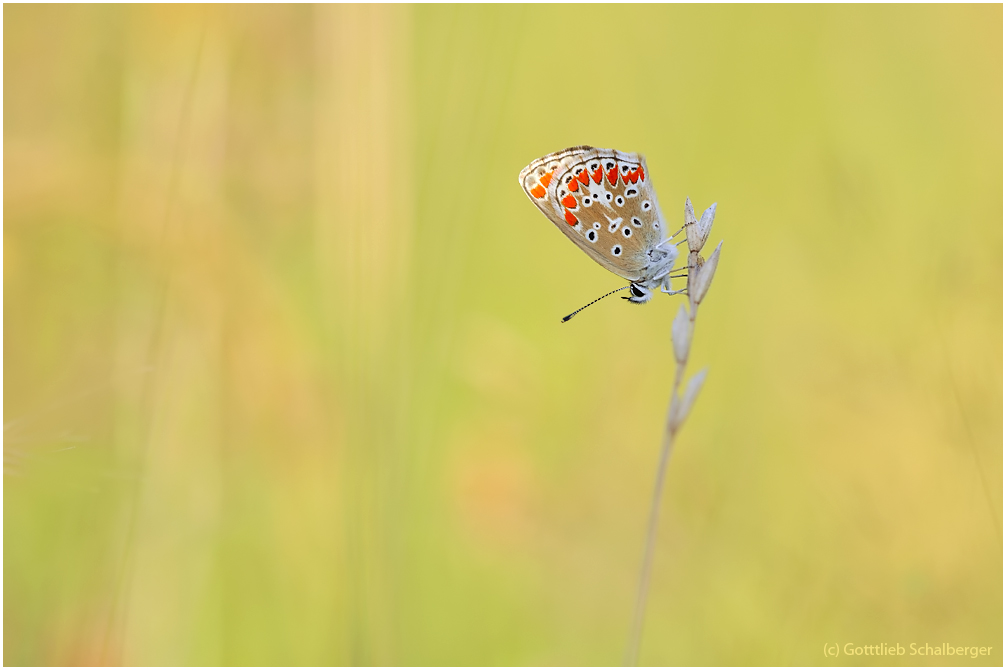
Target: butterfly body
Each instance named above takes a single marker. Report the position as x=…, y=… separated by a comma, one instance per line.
x=603, y=200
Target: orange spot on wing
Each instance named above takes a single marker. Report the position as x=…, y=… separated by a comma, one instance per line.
x=598, y=173
x=583, y=177
x=641, y=175
x=546, y=179
x=538, y=191
x=634, y=175
x=570, y=219
x=569, y=201
x=573, y=185
x=613, y=175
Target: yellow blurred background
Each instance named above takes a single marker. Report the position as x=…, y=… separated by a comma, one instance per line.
x=286, y=383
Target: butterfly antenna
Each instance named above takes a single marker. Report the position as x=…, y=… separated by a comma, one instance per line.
x=570, y=316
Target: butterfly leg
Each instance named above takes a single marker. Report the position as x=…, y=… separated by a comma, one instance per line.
x=671, y=239
x=665, y=286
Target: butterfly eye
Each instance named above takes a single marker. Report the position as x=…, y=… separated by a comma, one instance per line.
x=621, y=201
x=646, y=205
x=592, y=235
x=627, y=231
x=636, y=291
x=616, y=250
x=636, y=221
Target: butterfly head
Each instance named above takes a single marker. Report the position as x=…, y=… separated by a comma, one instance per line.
x=638, y=294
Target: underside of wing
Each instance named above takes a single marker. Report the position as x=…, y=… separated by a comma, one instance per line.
x=603, y=200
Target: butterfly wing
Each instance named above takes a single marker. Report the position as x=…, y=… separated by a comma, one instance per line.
x=604, y=201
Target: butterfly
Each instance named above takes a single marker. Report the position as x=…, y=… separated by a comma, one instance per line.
x=603, y=200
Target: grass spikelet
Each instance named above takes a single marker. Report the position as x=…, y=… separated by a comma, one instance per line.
x=700, y=278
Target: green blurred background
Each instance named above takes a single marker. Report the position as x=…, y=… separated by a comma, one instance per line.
x=286, y=383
